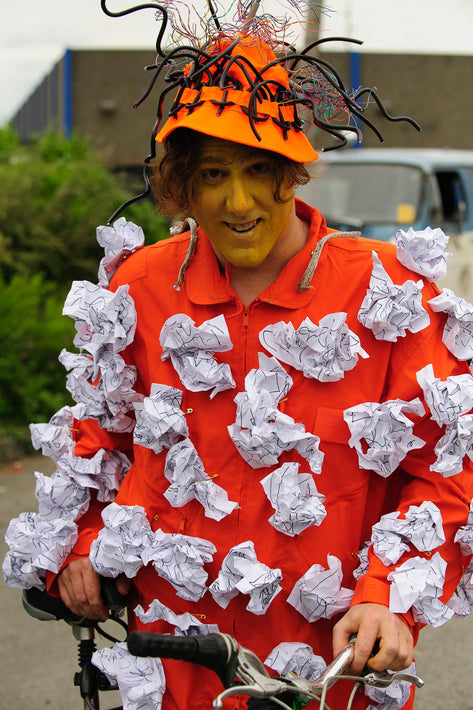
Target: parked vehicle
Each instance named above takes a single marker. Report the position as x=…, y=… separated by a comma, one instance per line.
x=381, y=190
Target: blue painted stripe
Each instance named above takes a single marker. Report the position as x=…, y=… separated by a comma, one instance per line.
x=355, y=70
x=355, y=80
x=67, y=93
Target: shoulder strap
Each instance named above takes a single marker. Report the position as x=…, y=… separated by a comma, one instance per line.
x=308, y=274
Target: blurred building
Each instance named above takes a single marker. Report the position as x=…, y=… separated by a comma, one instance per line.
x=92, y=93
x=434, y=89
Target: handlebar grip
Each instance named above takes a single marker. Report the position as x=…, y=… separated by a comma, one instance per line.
x=113, y=600
x=213, y=651
x=144, y=643
x=374, y=651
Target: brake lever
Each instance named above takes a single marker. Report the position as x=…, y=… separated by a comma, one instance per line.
x=383, y=679
x=256, y=681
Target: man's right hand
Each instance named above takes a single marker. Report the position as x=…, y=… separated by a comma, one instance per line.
x=79, y=587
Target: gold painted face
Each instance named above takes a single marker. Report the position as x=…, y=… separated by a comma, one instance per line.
x=233, y=202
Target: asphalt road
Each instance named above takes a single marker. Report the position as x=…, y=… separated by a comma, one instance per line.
x=38, y=658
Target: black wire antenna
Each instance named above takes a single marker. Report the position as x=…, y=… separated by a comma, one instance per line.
x=315, y=88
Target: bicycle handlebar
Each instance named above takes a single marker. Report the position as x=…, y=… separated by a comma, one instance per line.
x=210, y=651
x=242, y=672
x=218, y=652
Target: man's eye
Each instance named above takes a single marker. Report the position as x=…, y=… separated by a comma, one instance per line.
x=211, y=174
x=260, y=168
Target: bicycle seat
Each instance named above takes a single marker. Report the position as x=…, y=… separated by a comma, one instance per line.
x=43, y=606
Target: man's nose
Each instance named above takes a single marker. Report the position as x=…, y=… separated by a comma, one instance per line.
x=239, y=199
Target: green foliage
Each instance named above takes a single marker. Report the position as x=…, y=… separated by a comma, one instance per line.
x=10, y=147
x=32, y=331
x=54, y=194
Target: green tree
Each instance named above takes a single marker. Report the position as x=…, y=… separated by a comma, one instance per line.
x=54, y=194
x=32, y=331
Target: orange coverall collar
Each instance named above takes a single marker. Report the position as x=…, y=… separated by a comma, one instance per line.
x=206, y=284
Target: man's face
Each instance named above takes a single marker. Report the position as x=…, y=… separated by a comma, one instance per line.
x=233, y=201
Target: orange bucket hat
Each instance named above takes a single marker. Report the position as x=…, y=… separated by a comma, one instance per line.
x=237, y=110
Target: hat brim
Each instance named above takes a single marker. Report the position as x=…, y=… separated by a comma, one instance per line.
x=232, y=124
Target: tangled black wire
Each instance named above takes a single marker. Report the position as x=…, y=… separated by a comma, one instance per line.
x=315, y=87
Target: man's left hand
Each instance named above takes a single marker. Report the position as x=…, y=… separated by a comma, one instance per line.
x=373, y=622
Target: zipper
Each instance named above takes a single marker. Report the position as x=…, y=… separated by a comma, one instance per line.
x=246, y=311
x=246, y=314
x=244, y=326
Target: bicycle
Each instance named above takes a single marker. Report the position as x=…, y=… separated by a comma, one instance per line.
x=240, y=671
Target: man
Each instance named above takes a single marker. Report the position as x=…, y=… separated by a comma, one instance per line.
x=283, y=404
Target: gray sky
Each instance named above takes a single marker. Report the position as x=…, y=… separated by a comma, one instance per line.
x=34, y=34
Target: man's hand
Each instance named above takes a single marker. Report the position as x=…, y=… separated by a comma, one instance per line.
x=79, y=587
x=371, y=622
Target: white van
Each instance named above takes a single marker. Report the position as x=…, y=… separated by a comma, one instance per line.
x=380, y=190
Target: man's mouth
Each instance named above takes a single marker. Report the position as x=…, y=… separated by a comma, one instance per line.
x=242, y=227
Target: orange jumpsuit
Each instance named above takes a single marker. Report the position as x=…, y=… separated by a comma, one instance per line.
x=355, y=498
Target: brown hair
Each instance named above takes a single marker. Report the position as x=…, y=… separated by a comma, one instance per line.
x=174, y=173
